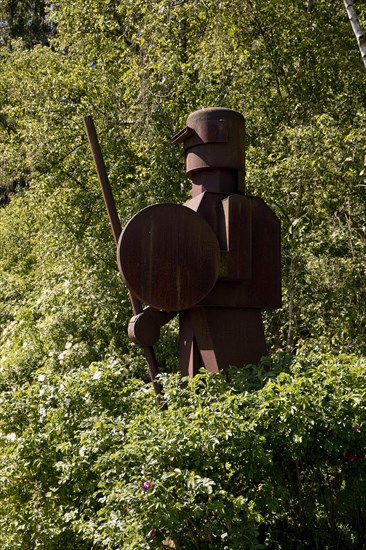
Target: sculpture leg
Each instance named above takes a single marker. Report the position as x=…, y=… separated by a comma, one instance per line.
x=217, y=337
x=195, y=354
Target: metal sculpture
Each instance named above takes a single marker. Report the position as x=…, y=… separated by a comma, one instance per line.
x=215, y=260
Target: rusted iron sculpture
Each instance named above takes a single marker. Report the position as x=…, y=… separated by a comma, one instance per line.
x=214, y=260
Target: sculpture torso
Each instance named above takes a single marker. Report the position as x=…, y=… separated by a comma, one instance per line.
x=215, y=260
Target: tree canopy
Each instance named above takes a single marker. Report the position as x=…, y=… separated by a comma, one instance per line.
x=291, y=68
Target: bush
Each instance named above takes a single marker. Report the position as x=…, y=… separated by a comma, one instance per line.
x=272, y=458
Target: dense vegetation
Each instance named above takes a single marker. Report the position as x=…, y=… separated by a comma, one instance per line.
x=273, y=459
x=77, y=429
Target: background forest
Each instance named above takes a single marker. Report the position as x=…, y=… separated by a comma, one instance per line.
x=88, y=460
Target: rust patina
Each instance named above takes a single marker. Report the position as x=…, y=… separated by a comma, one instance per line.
x=215, y=260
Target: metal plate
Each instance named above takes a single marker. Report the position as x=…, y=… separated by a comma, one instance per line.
x=168, y=257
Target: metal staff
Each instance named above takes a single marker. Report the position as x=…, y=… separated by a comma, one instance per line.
x=116, y=230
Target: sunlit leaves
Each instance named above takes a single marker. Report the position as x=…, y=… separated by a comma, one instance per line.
x=90, y=459
x=80, y=433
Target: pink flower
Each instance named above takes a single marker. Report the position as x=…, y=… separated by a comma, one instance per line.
x=356, y=427
x=350, y=457
x=152, y=533
x=146, y=485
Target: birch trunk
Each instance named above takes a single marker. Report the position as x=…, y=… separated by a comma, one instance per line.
x=360, y=35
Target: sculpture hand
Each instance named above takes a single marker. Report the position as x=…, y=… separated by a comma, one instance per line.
x=144, y=328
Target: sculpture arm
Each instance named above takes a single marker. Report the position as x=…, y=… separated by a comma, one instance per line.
x=144, y=328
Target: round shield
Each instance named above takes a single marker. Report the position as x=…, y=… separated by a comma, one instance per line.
x=168, y=256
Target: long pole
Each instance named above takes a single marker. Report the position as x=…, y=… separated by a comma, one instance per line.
x=116, y=230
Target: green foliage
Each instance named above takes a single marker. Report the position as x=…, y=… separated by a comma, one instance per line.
x=140, y=68
x=267, y=460
x=25, y=19
x=273, y=458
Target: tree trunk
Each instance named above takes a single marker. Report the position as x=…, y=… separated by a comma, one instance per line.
x=360, y=35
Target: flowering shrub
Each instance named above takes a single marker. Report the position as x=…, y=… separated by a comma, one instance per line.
x=275, y=457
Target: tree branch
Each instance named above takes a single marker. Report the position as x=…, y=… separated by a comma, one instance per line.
x=356, y=27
